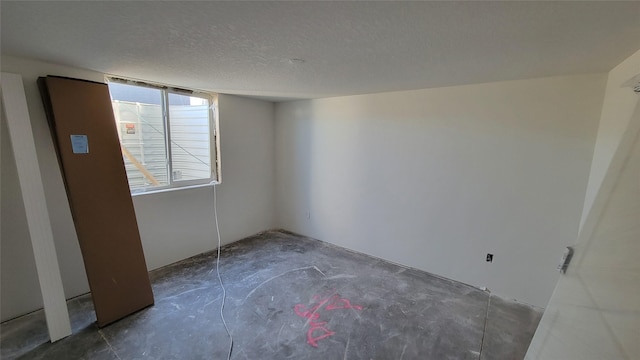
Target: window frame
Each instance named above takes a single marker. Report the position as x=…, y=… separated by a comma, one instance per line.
x=214, y=137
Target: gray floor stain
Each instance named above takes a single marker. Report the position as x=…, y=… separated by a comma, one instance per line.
x=291, y=297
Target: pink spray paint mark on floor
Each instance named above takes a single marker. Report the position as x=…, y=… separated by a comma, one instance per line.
x=318, y=330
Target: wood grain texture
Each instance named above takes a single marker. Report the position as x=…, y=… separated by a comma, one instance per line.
x=99, y=196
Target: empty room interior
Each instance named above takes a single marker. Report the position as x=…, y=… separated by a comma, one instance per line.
x=320, y=180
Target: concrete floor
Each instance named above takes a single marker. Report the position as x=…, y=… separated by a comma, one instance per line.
x=291, y=297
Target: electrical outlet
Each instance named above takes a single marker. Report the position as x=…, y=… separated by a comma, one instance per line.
x=489, y=257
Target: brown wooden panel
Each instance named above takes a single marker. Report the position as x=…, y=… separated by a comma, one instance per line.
x=99, y=196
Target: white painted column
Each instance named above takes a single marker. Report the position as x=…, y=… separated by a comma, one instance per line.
x=19, y=124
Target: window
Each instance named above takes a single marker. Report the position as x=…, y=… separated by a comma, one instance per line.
x=168, y=135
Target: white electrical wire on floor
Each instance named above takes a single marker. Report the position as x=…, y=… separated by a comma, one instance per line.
x=224, y=291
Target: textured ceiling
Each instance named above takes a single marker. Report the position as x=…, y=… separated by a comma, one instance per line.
x=253, y=48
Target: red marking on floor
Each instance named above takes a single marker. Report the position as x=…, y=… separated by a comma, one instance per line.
x=334, y=302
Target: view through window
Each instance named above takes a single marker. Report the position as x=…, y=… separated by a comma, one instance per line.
x=168, y=136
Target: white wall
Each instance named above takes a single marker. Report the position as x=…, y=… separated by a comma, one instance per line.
x=437, y=178
x=178, y=224
x=20, y=288
x=173, y=225
x=595, y=310
x=16, y=257
x=617, y=108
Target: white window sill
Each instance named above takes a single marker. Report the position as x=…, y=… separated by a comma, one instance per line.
x=178, y=188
